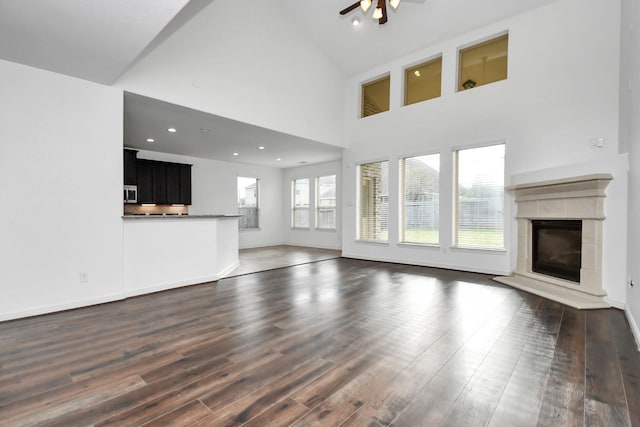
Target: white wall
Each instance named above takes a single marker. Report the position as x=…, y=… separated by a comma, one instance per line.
x=214, y=186
x=61, y=186
x=328, y=239
x=254, y=67
x=561, y=91
x=630, y=89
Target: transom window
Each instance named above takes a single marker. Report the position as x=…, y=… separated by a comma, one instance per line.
x=483, y=63
x=423, y=81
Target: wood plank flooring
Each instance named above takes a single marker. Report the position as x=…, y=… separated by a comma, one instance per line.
x=254, y=260
x=331, y=343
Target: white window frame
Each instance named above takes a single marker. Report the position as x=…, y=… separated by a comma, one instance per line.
x=402, y=210
x=241, y=225
x=359, y=202
x=295, y=209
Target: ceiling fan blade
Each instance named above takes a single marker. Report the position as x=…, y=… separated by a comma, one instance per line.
x=383, y=5
x=350, y=8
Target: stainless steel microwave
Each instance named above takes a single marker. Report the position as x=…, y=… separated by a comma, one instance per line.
x=131, y=194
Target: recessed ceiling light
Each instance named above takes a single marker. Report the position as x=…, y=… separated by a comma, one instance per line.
x=172, y=130
x=355, y=22
x=236, y=154
x=278, y=159
x=205, y=129
x=261, y=148
x=151, y=140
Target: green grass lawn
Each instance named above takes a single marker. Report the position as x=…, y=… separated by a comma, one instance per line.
x=493, y=239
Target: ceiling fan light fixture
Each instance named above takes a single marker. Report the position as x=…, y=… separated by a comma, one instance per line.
x=394, y=3
x=377, y=14
x=365, y=4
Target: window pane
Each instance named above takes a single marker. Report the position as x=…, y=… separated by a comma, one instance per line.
x=423, y=82
x=248, y=202
x=326, y=202
x=421, y=194
x=300, y=203
x=375, y=96
x=374, y=201
x=480, y=197
x=483, y=63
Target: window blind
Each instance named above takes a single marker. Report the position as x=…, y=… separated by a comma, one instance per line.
x=374, y=201
x=421, y=199
x=300, y=212
x=479, y=186
x=326, y=202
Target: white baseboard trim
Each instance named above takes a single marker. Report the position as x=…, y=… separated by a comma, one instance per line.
x=172, y=285
x=59, y=307
x=426, y=264
x=616, y=303
x=228, y=269
x=261, y=245
x=309, y=245
x=635, y=328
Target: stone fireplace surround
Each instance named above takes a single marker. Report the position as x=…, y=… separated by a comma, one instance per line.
x=580, y=198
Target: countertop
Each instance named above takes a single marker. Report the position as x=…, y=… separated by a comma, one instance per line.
x=127, y=217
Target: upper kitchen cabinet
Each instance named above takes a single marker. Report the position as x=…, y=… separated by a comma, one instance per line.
x=130, y=172
x=163, y=182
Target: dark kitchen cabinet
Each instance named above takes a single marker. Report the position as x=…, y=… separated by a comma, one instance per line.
x=163, y=182
x=130, y=168
x=185, y=184
x=160, y=183
x=144, y=171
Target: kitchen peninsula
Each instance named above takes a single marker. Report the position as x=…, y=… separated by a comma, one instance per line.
x=165, y=252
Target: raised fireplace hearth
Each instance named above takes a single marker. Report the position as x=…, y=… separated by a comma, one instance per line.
x=560, y=240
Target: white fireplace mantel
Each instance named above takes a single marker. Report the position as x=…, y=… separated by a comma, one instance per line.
x=580, y=198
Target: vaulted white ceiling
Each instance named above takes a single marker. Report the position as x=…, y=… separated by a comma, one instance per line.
x=99, y=40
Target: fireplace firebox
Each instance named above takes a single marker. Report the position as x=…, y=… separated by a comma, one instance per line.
x=557, y=248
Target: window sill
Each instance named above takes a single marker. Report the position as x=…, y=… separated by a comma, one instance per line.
x=419, y=245
x=477, y=249
x=332, y=230
x=250, y=229
x=374, y=242
x=300, y=229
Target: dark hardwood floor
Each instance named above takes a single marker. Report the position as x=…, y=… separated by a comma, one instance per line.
x=331, y=343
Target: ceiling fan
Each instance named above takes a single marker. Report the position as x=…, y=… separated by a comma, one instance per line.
x=380, y=12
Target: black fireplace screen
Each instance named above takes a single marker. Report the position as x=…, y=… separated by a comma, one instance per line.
x=557, y=248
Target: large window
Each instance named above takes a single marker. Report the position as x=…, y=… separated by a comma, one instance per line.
x=483, y=63
x=479, y=186
x=300, y=209
x=374, y=201
x=423, y=81
x=326, y=202
x=421, y=199
x=248, y=202
x=375, y=96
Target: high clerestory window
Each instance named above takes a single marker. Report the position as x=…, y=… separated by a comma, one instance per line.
x=375, y=96
x=483, y=63
x=423, y=81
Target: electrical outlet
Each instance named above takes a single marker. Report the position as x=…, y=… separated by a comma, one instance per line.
x=84, y=277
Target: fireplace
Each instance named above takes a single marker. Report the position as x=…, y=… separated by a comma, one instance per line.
x=557, y=248
x=559, y=251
